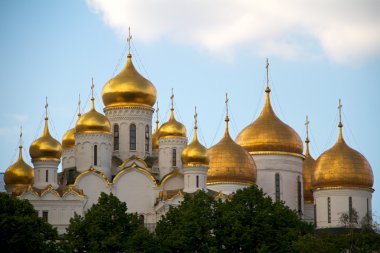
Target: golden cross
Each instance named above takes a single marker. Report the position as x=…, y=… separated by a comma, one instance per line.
x=79, y=105
x=340, y=111
x=267, y=67
x=307, y=127
x=195, y=119
x=20, y=136
x=172, y=98
x=46, y=107
x=227, y=104
x=129, y=38
x=92, y=88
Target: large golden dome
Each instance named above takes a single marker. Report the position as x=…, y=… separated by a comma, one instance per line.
x=93, y=122
x=19, y=173
x=342, y=166
x=195, y=154
x=269, y=134
x=307, y=170
x=230, y=163
x=172, y=128
x=68, y=139
x=129, y=88
x=45, y=147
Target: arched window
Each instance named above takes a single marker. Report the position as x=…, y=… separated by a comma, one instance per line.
x=328, y=210
x=350, y=208
x=132, y=137
x=147, y=137
x=95, y=155
x=277, y=186
x=174, y=157
x=115, y=137
x=47, y=176
x=299, y=195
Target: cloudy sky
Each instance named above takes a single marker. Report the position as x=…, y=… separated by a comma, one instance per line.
x=319, y=51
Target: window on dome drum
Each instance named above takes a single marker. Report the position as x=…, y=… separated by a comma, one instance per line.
x=277, y=186
x=95, y=155
x=299, y=195
x=147, y=138
x=328, y=210
x=47, y=176
x=45, y=215
x=197, y=181
x=315, y=215
x=350, y=208
x=132, y=137
x=174, y=157
x=116, y=137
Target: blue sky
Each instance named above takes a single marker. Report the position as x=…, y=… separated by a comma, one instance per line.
x=318, y=54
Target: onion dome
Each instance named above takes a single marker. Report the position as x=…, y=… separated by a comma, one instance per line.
x=129, y=88
x=172, y=128
x=268, y=134
x=93, y=121
x=307, y=170
x=45, y=147
x=19, y=173
x=230, y=163
x=68, y=140
x=341, y=166
x=195, y=154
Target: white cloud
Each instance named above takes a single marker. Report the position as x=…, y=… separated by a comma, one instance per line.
x=342, y=30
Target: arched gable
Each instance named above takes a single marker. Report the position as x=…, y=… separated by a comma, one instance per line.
x=172, y=181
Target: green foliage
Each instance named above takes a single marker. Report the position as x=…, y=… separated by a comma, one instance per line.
x=21, y=230
x=107, y=227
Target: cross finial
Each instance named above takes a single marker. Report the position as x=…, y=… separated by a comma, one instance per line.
x=79, y=106
x=195, y=118
x=172, y=98
x=307, y=128
x=92, y=88
x=129, y=38
x=46, y=108
x=226, y=105
x=267, y=90
x=20, y=137
x=340, y=113
x=157, y=110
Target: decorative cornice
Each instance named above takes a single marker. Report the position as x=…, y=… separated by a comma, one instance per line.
x=276, y=153
x=343, y=188
x=230, y=182
x=131, y=106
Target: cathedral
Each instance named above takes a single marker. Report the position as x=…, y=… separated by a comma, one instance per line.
x=119, y=152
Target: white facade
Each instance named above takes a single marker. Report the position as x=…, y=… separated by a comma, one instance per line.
x=195, y=178
x=169, y=156
x=308, y=212
x=227, y=188
x=68, y=158
x=45, y=173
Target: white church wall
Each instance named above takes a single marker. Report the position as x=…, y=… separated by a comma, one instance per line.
x=173, y=182
x=68, y=158
x=165, y=155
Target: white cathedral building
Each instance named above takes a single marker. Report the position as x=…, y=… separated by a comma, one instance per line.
x=151, y=170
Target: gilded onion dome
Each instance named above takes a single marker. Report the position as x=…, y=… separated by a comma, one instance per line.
x=68, y=140
x=307, y=170
x=195, y=154
x=230, y=163
x=342, y=166
x=19, y=173
x=45, y=147
x=93, y=121
x=129, y=88
x=172, y=128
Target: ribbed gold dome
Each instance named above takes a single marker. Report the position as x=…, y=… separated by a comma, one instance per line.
x=45, y=147
x=68, y=140
x=342, y=166
x=230, y=163
x=155, y=138
x=129, y=88
x=19, y=173
x=195, y=154
x=307, y=170
x=93, y=122
x=269, y=134
x=172, y=128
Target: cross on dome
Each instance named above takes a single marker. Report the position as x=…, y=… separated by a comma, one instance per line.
x=129, y=38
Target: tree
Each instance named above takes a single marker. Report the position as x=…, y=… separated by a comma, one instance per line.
x=252, y=222
x=189, y=227
x=21, y=230
x=107, y=227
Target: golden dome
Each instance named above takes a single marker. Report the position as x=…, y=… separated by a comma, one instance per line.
x=93, y=122
x=155, y=138
x=269, y=134
x=342, y=166
x=19, y=173
x=307, y=170
x=195, y=154
x=68, y=140
x=129, y=88
x=45, y=147
x=172, y=128
x=230, y=163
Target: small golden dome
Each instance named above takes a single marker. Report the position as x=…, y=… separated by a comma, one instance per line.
x=155, y=138
x=307, y=170
x=68, y=140
x=45, y=147
x=342, y=166
x=195, y=154
x=129, y=88
x=269, y=134
x=230, y=163
x=93, y=122
x=19, y=173
x=172, y=128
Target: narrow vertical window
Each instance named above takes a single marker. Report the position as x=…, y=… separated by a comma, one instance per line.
x=174, y=157
x=95, y=155
x=315, y=215
x=47, y=176
x=197, y=179
x=328, y=210
x=299, y=195
x=350, y=208
x=277, y=186
x=147, y=137
x=132, y=137
x=45, y=215
x=116, y=137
